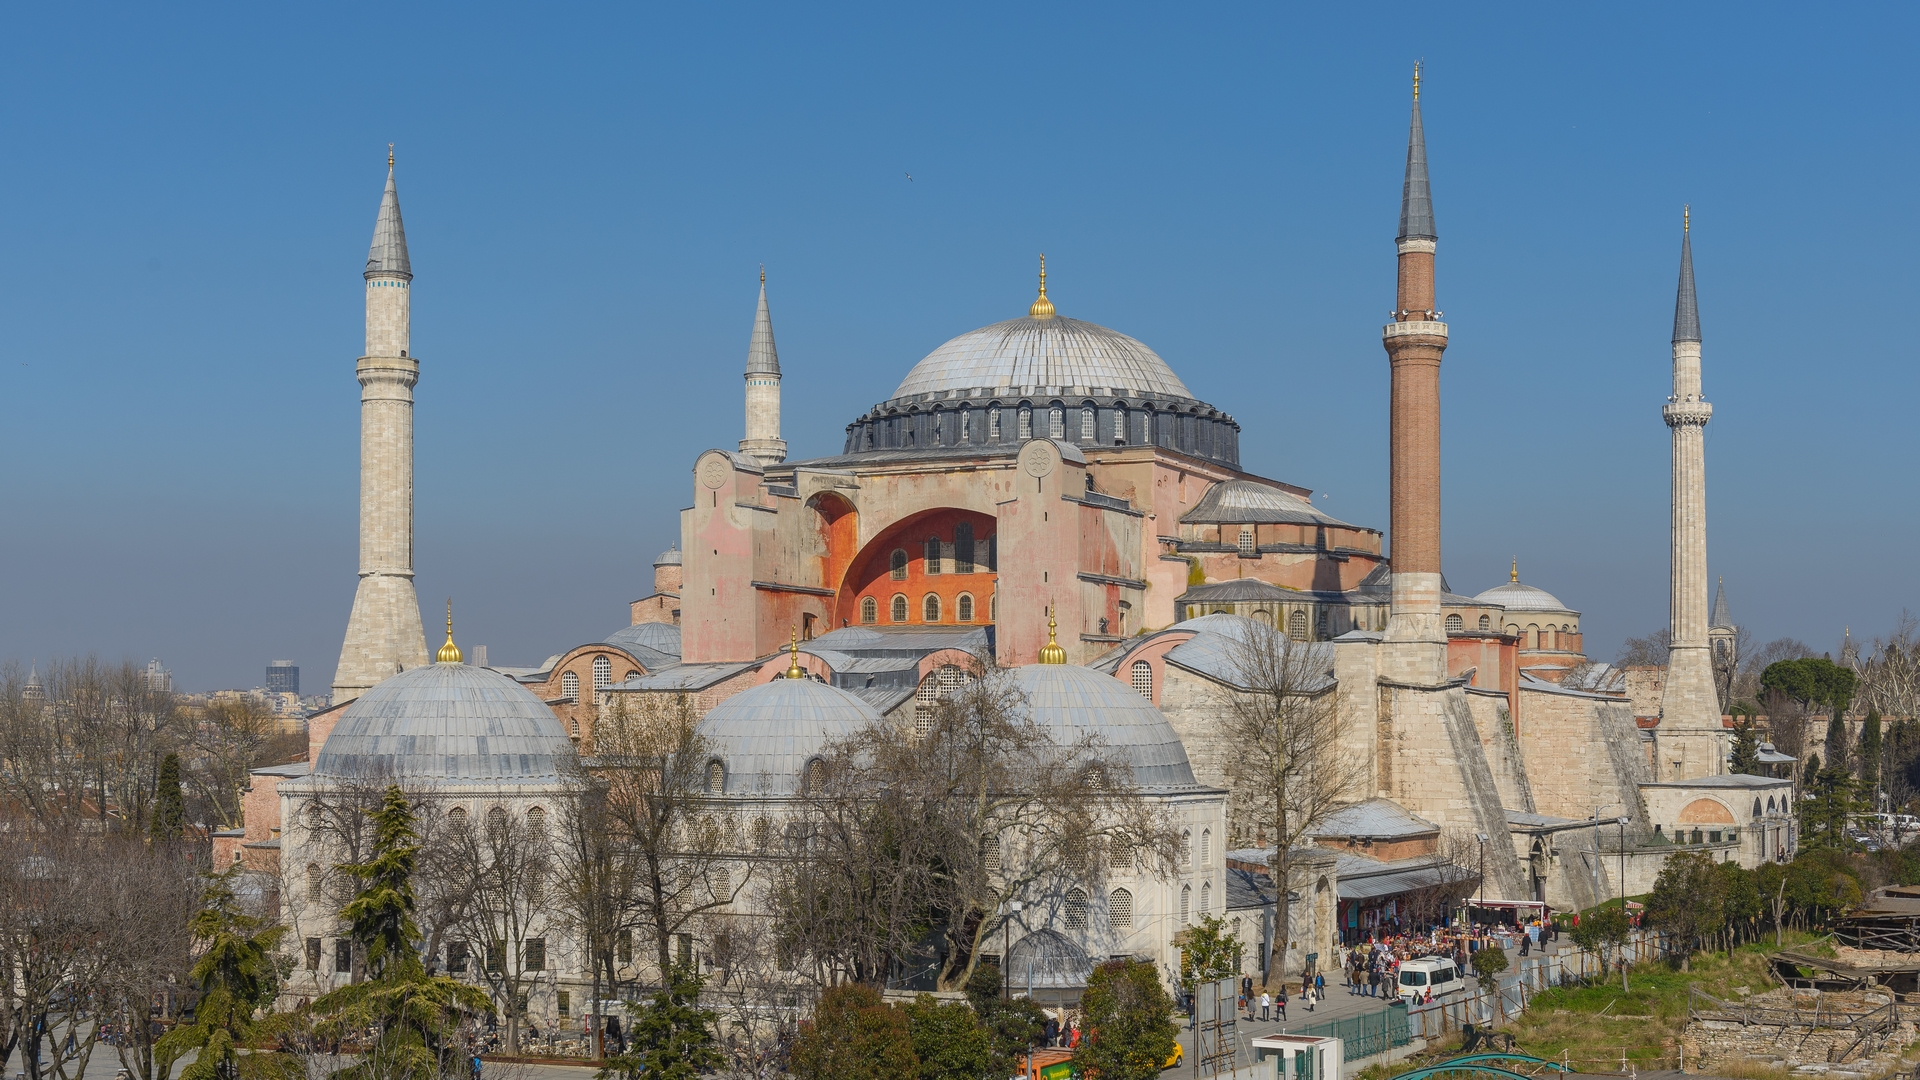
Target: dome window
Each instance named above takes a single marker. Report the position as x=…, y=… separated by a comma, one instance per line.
x=1075, y=909
x=1486, y=623
x=897, y=565
x=1026, y=422
x=716, y=778
x=1119, y=427
x=1142, y=675
x=1246, y=542
x=1057, y=422
x=1120, y=910
x=816, y=775
x=899, y=611
x=1086, y=424
x=1456, y=624
x=869, y=610
x=966, y=426
x=1297, y=626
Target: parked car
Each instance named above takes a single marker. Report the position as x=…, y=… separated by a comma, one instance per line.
x=1430, y=973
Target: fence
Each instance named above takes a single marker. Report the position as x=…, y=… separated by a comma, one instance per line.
x=1528, y=976
x=1365, y=1036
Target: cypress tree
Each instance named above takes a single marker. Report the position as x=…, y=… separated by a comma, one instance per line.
x=169, y=802
x=1870, y=747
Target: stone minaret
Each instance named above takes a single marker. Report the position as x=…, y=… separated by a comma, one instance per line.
x=763, y=442
x=1690, y=730
x=1415, y=340
x=384, y=635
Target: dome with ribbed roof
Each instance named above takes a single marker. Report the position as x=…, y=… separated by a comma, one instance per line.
x=764, y=736
x=1074, y=701
x=1023, y=355
x=1517, y=597
x=445, y=724
x=660, y=637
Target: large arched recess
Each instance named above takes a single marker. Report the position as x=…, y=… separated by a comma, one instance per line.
x=871, y=572
x=836, y=531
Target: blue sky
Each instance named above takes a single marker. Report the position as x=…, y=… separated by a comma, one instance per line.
x=589, y=193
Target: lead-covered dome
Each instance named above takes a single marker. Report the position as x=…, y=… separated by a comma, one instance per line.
x=1517, y=597
x=1076, y=701
x=763, y=737
x=445, y=724
x=1023, y=355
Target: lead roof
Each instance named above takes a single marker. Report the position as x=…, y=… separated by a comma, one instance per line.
x=1416, y=196
x=388, y=255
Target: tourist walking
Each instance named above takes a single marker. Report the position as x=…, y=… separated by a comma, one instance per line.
x=1266, y=1005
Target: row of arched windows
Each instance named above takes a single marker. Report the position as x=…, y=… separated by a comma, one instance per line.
x=932, y=608
x=1199, y=430
x=1119, y=909
x=602, y=679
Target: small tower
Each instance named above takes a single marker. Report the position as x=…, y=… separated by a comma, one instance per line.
x=1415, y=340
x=384, y=635
x=34, y=690
x=1690, y=737
x=763, y=442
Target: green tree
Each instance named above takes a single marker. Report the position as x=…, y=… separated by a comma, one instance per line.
x=1824, y=815
x=1488, y=963
x=412, y=1016
x=1740, y=902
x=1604, y=930
x=1837, y=749
x=671, y=1036
x=1869, y=751
x=1685, y=903
x=949, y=1040
x=1129, y=1031
x=235, y=975
x=1746, y=747
x=1012, y=1025
x=1208, y=953
x=854, y=1036
x=169, y=801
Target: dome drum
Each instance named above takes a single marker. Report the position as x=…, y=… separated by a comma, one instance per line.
x=984, y=419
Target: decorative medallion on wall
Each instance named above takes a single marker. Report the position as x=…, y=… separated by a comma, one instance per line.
x=1038, y=458
x=714, y=471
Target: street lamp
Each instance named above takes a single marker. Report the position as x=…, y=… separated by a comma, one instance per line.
x=1009, y=910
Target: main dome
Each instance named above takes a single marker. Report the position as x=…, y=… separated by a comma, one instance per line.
x=1027, y=353
x=445, y=724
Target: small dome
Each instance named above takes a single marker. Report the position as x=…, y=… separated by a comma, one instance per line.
x=1047, y=959
x=1080, y=701
x=660, y=637
x=669, y=557
x=1517, y=597
x=1244, y=502
x=764, y=736
x=1025, y=354
x=448, y=724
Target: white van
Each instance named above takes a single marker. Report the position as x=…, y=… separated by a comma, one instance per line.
x=1430, y=972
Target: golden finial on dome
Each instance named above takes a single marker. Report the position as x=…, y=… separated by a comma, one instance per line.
x=1043, y=307
x=449, y=653
x=794, y=670
x=1514, y=574
x=1051, y=652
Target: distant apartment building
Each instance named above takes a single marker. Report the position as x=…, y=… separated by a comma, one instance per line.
x=159, y=679
x=283, y=677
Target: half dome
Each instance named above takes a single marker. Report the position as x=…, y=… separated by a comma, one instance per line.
x=1025, y=354
x=764, y=736
x=1074, y=701
x=445, y=724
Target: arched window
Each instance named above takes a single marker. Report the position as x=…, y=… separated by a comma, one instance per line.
x=930, y=608
x=1143, y=679
x=1026, y=422
x=1119, y=427
x=1126, y=617
x=1486, y=623
x=762, y=834
x=869, y=610
x=931, y=553
x=1756, y=809
x=816, y=774
x=1455, y=624
x=1057, y=422
x=1297, y=626
x=963, y=548
x=721, y=882
x=633, y=674
x=1186, y=847
x=1086, y=423
x=1075, y=909
x=1206, y=898
x=457, y=815
x=1246, y=541
x=1186, y=904
x=497, y=821
x=716, y=778
x=899, y=611
x=537, y=820
x=963, y=608
x=1769, y=804
x=993, y=423
x=1120, y=909
x=966, y=425
x=313, y=882
x=602, y=673
x=1206, y=849
x=570, y=686
x=1533, y=637
x=1264, y=617
x=898, y=564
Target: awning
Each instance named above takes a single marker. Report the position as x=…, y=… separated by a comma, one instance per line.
x=1403, y=881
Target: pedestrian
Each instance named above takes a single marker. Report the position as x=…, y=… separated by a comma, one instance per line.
x=1050, y=1032
x=1319, y=987
x=1525, y=942
x=1280, y=1003
x=475, y=1065
x=1266, y=1005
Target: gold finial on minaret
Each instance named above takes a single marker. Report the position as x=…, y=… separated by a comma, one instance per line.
x=389, y=155
x=1416, y=80
x=794, y=670
x=1043, y=307
x=763, y=273
x=1051, y=652
x=449, y=653
x=1514, y=574
x=1686, y=218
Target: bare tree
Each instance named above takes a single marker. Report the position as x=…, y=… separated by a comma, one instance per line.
x=1891, y=679
x=1648, y=651
x=594, y=875
x=224, y=747
x=1453, y=876
x=1281, y=722
x=506, y=867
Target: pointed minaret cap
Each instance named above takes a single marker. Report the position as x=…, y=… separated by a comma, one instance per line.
x=388, y=255
x=1721, y=616
x=1416, y=196
x=1686, y=310
x=449, y=653
x=762, y=358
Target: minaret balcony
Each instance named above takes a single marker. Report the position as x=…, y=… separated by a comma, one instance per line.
x=1394, y=331
x=1687, y=413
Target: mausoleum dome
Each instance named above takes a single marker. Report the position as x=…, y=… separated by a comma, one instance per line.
x=1074, y=701
x=445, y=723
x=764, y=737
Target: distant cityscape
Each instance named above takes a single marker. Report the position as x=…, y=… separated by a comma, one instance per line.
x=279, y=696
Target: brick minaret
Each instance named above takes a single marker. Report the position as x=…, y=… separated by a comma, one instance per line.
x=1690, y=736
x=384, y=635
x=763, y=442
x=1415, y=340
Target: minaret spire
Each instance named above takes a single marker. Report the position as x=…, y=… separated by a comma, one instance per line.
x=763, y=442
x=384, y=634
x=1415, y=341
x=1692, y=742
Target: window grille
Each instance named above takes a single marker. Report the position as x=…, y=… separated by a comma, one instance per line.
x=716, y=778
x=722, y=884
x=1486, y=623
x=457, y=955
x=869, y=610
x=1297, y=626
x=897, y=565
x=1120, y=909
x=1455, y=624
x=623, y=947
x=1076, y=909
x=313, y=954
x=993, y=425
x=990, y=855
x=966, y=425
x=899, y=607
x=537, y=820
x=1143, y=679
x=1119, y=427
x=1086, y=424
x=930, y=608
x=1026, y=422
x=963, y=548
x=313, y=882
x=570, y=686
x=1057, y=422
x=536, y=954
x=816, y=774
x=602, y=673
x=1246, y=542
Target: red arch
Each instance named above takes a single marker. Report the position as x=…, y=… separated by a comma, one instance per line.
x=869, y=573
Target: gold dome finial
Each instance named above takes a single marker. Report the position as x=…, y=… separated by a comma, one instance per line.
x=1051, y=652
x=1514, y=574
x=794, y=670
x=1416, y=80
x=389, y=155
x=1043, y=307
x=449, y=653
